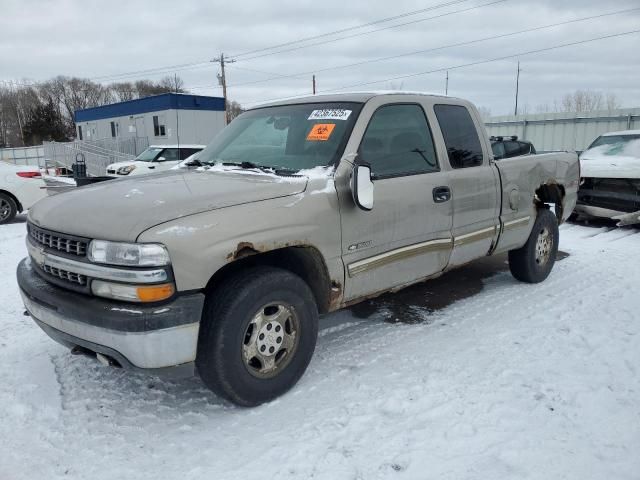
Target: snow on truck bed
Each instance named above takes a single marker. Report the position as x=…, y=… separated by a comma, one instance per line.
x=515, y=381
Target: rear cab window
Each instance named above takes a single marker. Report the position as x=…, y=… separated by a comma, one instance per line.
x=460, y=136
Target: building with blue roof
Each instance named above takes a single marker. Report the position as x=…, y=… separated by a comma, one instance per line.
x=169, y=118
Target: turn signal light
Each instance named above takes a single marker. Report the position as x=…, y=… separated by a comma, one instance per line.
x=155, y=293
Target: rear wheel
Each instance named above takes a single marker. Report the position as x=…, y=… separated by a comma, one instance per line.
x=533, y=262
x=257, y=335
x=8, y=208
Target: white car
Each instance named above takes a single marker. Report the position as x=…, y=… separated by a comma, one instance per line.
x=20, y=188
x=610, y=173
x=156, y=158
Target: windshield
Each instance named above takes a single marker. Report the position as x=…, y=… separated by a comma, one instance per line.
x=289, y=137
x=149, y=155
x=613, y=139
x=618, y=145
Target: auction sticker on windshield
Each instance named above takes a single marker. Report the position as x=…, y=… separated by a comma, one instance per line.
x=330, y=114
x=320, y=132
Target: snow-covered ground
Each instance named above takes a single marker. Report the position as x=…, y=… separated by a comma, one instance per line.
x=516, y=381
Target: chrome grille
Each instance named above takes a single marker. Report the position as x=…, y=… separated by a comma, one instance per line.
x=65, y=275
x=58, y=241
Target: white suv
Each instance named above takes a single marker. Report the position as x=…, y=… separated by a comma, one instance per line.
x=156, y=158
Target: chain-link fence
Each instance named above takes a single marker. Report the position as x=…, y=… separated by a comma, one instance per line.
x=23, y=155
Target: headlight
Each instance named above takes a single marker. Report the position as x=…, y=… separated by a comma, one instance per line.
x=128, y=254
x=132, y=293
x=126, y=170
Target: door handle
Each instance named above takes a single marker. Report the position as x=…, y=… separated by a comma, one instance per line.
x=151, y=167
x=441, y=194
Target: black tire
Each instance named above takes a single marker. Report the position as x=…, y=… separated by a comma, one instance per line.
x=8, y=208
x=228, y=323
x=528, y=264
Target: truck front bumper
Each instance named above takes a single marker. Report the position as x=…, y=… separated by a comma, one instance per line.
x=160, y=339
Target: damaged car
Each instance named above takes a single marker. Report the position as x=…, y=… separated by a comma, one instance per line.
x=610, y=178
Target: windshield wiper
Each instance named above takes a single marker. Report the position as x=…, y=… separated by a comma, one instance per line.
x=265, y=168
x=245, y=164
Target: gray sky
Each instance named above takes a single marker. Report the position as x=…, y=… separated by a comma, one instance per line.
x=40, y=39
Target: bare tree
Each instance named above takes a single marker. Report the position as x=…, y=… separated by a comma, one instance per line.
x=485, y=112
x=171, y=84
x=123, y=91
x=234, y=109
x=611, y=101
x=582, y=101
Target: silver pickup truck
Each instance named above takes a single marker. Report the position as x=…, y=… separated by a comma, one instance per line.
x=296, y=209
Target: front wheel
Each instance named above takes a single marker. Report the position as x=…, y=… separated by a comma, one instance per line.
x=257, y=335
x=533, y=262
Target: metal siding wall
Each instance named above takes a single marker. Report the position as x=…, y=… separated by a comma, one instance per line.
x=564, y=131
x=200, y=127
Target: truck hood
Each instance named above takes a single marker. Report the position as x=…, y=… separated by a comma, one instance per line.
x=121, y=209
x=609, y=166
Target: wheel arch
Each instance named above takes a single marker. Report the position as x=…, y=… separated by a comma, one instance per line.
x=551, y=193
x=14, y=198
x=303, y=260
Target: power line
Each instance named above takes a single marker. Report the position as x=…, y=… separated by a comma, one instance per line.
x=479, y=62
x=149, y=71
x=373, y=31
x=495, y=59
x=433, y=49
x=343, y=30
x=188, y=66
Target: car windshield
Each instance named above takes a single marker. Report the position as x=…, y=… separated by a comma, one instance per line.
x=149, y=155
x=613, y=139
x=619, y=145
x=288, y=137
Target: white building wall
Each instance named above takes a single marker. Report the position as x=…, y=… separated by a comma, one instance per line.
x=187, y=126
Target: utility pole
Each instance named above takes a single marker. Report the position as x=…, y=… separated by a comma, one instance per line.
x=314, y=84
x=222, y=80
x=515, y=111
x=446, y=84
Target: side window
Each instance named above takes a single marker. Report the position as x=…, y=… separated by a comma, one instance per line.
x=159, y=126
x=460, y=136
x=513, y=149
x=187, y=152
x=498, y=150
x=398, y=142
x=525, y=148
x=169, y=155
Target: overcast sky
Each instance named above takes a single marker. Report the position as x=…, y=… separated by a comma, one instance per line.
x=40, y=39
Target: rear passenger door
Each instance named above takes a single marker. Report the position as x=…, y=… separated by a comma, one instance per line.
x=406, y=236
x=474, y=183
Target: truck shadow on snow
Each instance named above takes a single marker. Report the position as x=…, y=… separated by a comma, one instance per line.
x=415, y=304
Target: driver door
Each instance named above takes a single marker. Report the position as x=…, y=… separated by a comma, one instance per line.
x=407, y=234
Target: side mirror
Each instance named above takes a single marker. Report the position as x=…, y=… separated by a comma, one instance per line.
x=362, y=186
x=160, y=159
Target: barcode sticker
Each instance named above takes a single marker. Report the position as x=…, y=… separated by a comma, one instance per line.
x=330, y=114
